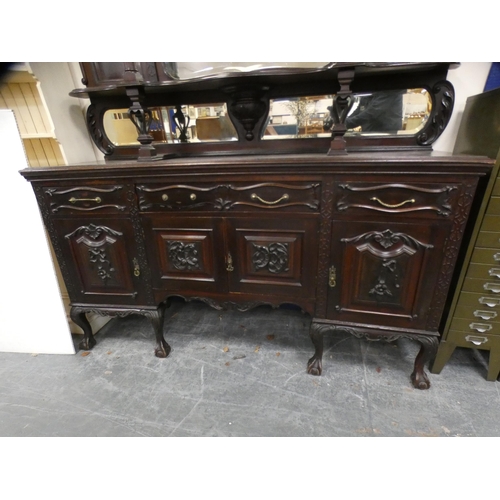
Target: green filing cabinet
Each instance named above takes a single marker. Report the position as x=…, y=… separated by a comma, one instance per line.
x=474, y=315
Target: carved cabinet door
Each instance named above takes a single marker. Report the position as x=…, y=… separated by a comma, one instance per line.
x=272, y=256
x=101, y=264
x=383, y=273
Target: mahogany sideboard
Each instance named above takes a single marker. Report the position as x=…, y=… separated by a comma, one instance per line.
x=363, y=242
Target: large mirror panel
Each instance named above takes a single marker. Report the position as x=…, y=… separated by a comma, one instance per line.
x=378, y=113
x=200, y=123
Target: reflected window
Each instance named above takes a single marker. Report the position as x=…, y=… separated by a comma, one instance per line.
x=202, y=123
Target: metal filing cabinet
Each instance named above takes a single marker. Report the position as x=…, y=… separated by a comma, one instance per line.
x=474, y=316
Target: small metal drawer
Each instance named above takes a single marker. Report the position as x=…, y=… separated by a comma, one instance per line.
x=484, y=271
x=489, y=287
x=496, y=188
x=476, y=326
x=64, y=200
x=464, y=339
x=486, y=256
x=494, y=206
x=478, y=301
x=425, y=199
x=491, y=223
x=478, y=314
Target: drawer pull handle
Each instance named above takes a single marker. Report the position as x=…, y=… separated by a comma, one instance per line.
x=489, y=301
x=495, y=271
x=476, y=340
x=485, y=314
x=332, y=277
x=492, y=287
x=392, y=206
x=192, y=196
x=480, y=327
x=496, y=257
x=74, y=200
x=137, y=269
x=164, y=197
x=229, y=262
x=256, y=197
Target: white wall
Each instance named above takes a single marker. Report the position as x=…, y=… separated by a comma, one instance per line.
x=32, y=316
x=468, y=79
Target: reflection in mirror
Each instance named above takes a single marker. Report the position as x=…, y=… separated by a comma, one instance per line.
x=204, y=123
x=379, y=113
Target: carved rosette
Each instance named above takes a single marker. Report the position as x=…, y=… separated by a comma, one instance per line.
x=184, y=256
x=272, y=258
x=443, y=98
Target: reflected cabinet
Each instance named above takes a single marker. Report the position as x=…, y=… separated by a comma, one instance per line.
x=236, y=188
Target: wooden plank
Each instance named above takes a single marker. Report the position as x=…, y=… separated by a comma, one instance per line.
x=35, y=112
x=11, y=104
x=30, y=153
x=49, y=126
x=40, y=153
x=22, y=107
x=58, y=154
x=49, y=152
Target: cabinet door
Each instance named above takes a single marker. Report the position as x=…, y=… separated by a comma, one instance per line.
x=187, y=253
x=102, y=261
x=383, y=273
x=272, y=256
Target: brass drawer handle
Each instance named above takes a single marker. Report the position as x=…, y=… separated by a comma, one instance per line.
x=256, y=197
x=496, y=257
x=494, y=271
x=485, y=314
x=192, y=196
x=489, y=301
x=74, y=200
x=492, y=287
x=229, y=262
x=480, y=327
x=137, y=269
x=392, y=206
x=476, y=340
x=164, y=197
x=332, y=277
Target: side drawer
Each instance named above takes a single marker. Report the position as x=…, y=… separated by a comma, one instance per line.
x=475, y=341
x=479, y=301
x=294, y=196
x=481, y=286
x=425, y=199
x=484, y=271
x=494, y=206
x=475, y=326
x=75, y=200
x=486, y=256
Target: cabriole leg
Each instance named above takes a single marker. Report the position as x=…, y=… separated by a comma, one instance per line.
x=315, y=364
x=157, y=317
x=78, y=316
x=427, y=352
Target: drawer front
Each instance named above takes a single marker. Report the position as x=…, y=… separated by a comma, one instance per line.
x=484, y=271
x=80, y=199
x=486, y=256
x=475, y=326
x=496, y=188
x=488, y=239
x=479, y=301
x=482, y=286
x=474, y=341
x=494, y=206
x=297, y=196
x=426, y=200
x=478, y=314
x=491, y=223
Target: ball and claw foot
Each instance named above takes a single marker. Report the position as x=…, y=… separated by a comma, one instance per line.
x=162, y=350
x=315, y=366
x=87, y=344
x=420, y=380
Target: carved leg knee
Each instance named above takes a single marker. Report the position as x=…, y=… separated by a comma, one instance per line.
x=427, y=352
x=315, y=364
x=79, y=318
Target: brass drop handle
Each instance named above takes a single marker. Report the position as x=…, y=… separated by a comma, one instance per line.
x=378, y=200
x=257, y=197
x=74, y=200
x=137, y=269
x=494, y=271
x=332, y=277
x=485, y=314
x=492, y=287
x=480, y=327
x=229, y=262
x=476, y=340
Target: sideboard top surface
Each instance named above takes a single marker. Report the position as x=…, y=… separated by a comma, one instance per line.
x=268, y=164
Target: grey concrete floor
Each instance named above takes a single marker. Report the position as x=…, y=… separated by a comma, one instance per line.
x=241, y=374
